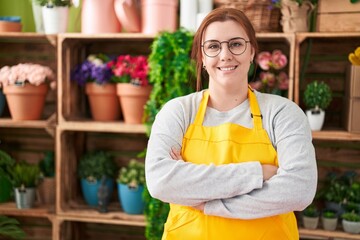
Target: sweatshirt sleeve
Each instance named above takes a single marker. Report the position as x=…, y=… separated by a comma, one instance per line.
x=188, y=184
x=293, y=187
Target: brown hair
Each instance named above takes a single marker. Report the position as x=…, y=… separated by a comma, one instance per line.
x=219, y=15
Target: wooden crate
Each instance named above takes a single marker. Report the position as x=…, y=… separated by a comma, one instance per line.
x=353, y=82
x=338, y=16
x=74, y=48
x=352, y=119
x=71, y=145
x=327, y=60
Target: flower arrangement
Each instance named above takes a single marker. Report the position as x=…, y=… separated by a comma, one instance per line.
x=277, y=3
x=132, y=175
x=130, y=69
x=272, y=79
x=93, y=69
x=23, y=73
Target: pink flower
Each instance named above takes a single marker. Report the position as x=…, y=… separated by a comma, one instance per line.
x=263, y=60
x=257, y=85
x=283, y=81
x=278, y=60
x=26, y=72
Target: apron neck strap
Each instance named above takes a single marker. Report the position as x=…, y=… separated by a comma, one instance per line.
x=254, y=108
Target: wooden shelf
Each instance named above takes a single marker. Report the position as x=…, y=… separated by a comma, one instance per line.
x=93, y=126
x=92, y=215
x=336, y=135
x=9, y=123
x=38, y=211
x=323, y=234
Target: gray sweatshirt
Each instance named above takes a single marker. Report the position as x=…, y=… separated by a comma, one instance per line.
x=234, y=190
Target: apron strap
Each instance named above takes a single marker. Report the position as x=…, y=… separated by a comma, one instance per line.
x=255, y=110
x=202, y=109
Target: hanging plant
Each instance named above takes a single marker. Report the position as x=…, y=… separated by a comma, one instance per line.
x=171, y=73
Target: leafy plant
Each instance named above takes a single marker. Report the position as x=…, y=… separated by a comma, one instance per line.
x=311, y=211
x=327, y=213
x=6, y=164
x=336, y=187
x=47, y=165
x=58, y=3
x=94, y=165
x=9, y=228
x=317, y=95
x=132, y=175
x=25, y=175
x=351, y=216
x=171, y=73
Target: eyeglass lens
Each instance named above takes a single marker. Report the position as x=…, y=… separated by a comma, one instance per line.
x=236, y=46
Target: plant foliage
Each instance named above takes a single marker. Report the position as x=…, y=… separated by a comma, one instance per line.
x=57, y=3
x=6, y=164
x=9, y=228
x=94, y=165
x=311, y=211
x=132, y=175
x=317, y=95
x=25, y=175
x=351, y=216
x=47, y=165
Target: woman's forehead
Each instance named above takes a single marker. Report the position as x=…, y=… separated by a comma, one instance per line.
x=223, y=31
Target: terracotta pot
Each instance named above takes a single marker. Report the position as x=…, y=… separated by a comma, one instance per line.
x=133, y=99
x=26, y=102
x=47, y=191
x=159, y=15
x=104, y=104
x=7, y=26
x=98, y=16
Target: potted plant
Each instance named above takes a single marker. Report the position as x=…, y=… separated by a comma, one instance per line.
x=169, y=59
x=351, y=222
x=310, y=217
x=6, y=164
x=329, y=219
x=47, y=178
x=100, y=88
x=93, y=166
x=131, y=182
x=55, y=14
x=133, y=88
x=24, y=85
x=9, y=228
x=25, y=177
x=317, y=97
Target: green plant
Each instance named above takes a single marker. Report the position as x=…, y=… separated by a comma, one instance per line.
x=317, y=95
x=351, y=216
x=171, y=74
x=47, y=165
x=94, y=165
x=9, y=228
x=311, y=211
x=25, y=175
x=6, y=164
x=132, y=175
x=171, y=70
x=58, y=3
x=329, y=213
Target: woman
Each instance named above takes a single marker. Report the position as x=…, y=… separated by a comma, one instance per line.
x=232, y=162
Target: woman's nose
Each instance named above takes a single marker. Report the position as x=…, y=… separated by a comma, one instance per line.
x=225, y=53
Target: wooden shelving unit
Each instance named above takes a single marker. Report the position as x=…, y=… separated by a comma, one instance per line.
x=73, y=132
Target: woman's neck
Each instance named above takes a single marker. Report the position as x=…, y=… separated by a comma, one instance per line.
x=226, y=99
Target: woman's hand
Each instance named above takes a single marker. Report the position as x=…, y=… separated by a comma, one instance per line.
x=175, y=154
x=268, y=171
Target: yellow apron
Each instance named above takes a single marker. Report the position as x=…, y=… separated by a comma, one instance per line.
x=223, y=144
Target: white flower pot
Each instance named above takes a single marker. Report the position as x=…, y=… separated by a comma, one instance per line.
x=351, y=227
x=316, y=119
x=38, y=18
x=55, y=19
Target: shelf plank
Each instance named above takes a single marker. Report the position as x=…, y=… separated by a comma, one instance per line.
x=336, y=135
x=93, y=126
x=10, y=209
x=92, y=215
x=327, y=234
x=10, y=123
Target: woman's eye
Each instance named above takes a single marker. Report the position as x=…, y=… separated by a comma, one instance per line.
x=214, y=46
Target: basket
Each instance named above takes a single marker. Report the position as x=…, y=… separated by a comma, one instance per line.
x=262, y=15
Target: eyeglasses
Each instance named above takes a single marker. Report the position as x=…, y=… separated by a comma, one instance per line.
x=236, y=46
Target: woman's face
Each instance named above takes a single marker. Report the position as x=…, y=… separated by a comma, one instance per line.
x=227, y=69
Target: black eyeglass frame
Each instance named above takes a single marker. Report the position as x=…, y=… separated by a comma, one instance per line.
x=228, y=42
